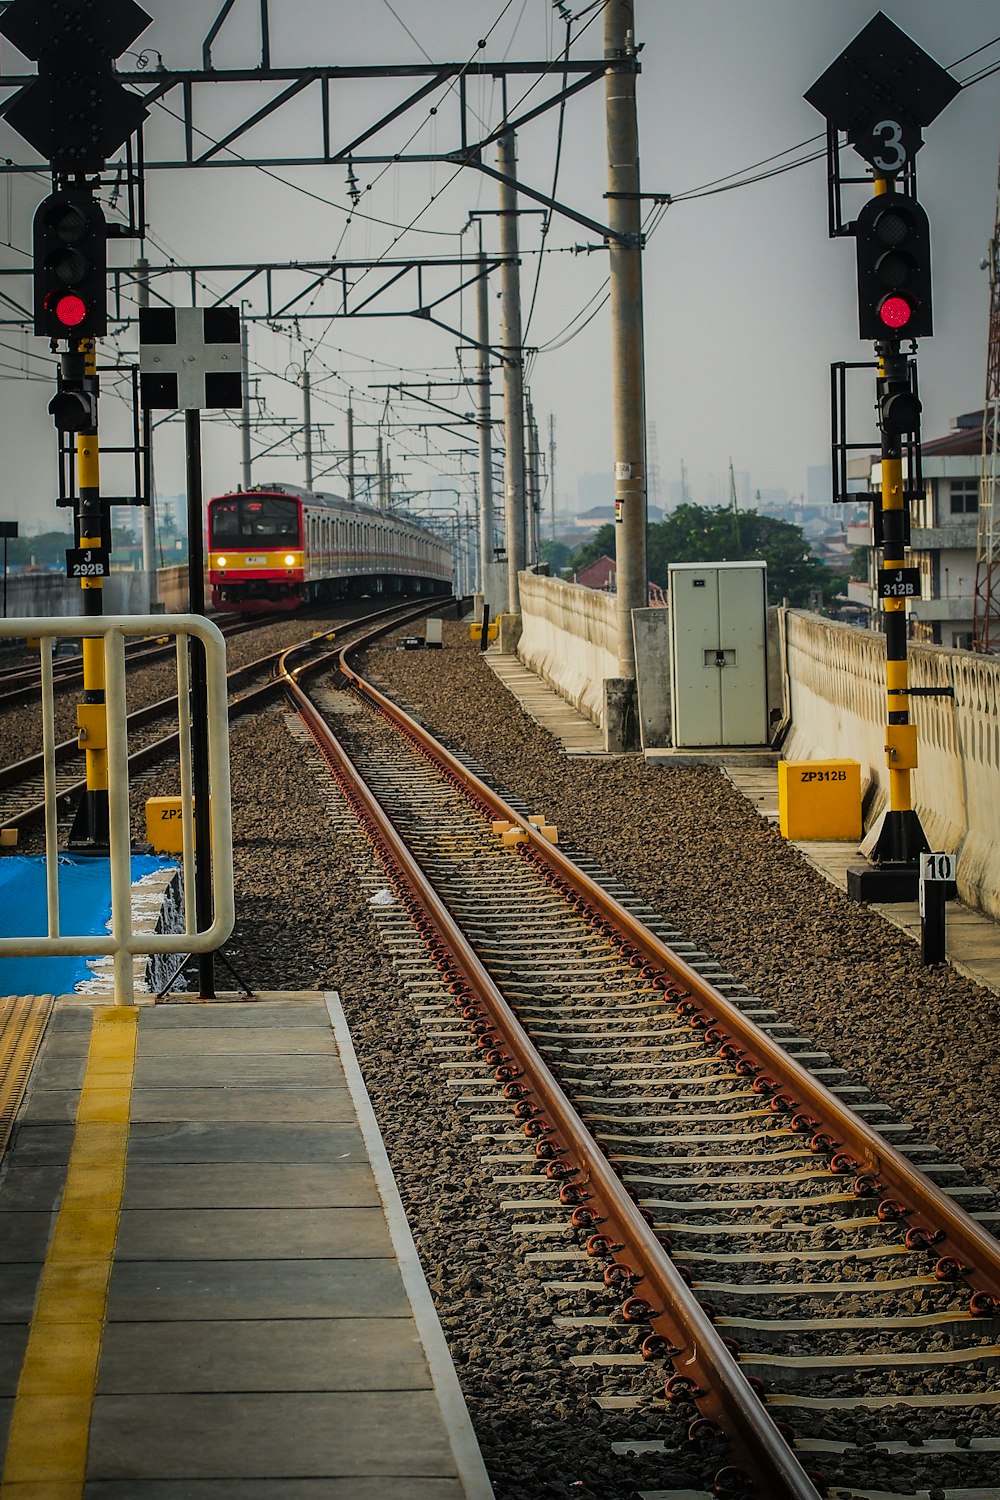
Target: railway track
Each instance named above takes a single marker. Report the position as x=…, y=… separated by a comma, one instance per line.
x=22, y=783
x=735, y=1235
x=22, y=684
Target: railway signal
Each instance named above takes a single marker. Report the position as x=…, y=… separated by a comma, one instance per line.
x=73, y=408
x=75, y=113
x=70, y=243
x=881, y=92
x=893, y=240
x=898, y=403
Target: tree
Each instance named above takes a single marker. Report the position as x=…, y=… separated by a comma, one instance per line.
x=602, y=545
x=702, y=533
x=556, y=554
x=698, y=533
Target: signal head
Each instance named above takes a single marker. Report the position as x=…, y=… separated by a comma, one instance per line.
x=70, y=266
x=894, y=268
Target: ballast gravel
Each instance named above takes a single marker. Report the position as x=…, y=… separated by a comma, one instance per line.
x=685, y=841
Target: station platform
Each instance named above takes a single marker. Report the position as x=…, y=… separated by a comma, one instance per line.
x=972, y=938
x=208, y=1288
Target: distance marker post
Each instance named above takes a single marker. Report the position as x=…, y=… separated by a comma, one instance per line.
x=937, y=887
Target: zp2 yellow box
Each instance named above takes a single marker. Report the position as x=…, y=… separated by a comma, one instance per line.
x=165, y=825
x=819, y=799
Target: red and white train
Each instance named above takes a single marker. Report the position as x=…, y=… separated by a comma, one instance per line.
x=278, y=546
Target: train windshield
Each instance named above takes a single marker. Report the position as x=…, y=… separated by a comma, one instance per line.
x=257, y=520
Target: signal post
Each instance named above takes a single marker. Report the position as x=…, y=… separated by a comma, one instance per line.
x=880, y=92
x=70, y=302
x=76, y=114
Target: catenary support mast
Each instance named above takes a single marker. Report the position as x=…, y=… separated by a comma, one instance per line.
x=628, y=393
x=485, y=425
x=513, y=373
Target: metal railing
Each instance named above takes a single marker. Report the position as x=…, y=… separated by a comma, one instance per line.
x=123, y=942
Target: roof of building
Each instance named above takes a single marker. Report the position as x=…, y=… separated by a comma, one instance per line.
x=965, y=437
x=598, y=574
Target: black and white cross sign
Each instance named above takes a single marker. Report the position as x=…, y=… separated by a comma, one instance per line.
x=189, y=357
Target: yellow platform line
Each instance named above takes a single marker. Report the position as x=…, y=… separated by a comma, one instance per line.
x=50, y=1424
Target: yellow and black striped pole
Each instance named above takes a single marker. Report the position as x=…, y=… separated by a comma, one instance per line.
x=90, y=826
x=901, y=839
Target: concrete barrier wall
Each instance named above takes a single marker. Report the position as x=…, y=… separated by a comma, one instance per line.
x=569, y=638
x=38, y=595
x=49, y=595
x=172, y=589
x=836, y=677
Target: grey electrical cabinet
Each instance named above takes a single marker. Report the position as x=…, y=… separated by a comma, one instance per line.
x=718, y=653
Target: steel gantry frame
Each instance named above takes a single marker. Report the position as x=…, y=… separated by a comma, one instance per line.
x=155, y=85
x=288, y=287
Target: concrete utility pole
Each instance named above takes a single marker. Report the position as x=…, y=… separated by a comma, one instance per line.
x=145, y=437
x=307, y=425
x=533, y=480
x=628, y=389
x=351, y=487
x=552, y=470
x=485, y=426
x=246, y=477
x=381, y=473
x=513, y=373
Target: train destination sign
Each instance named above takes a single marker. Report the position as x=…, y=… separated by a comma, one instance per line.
x=881, y=91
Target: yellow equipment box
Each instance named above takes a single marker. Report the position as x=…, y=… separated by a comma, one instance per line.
x=819, y=799
x=164, y=825
x=476, y=631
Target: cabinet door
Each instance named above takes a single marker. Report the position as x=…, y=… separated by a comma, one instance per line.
x=742, y=633
x=697, y=693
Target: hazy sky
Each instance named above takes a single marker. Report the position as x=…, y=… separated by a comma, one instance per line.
x=747, y=299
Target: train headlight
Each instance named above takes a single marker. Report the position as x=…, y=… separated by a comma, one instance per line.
x=221, y=561
x=290, y=560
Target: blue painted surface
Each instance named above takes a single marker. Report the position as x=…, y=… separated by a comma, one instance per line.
x=84, y=907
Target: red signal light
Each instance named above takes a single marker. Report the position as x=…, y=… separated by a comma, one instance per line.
x=895, y=312
x=70, y=310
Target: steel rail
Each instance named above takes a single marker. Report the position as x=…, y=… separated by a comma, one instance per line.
x=681, y=1328
x=19, y=684
x=905, y=1196
x=147, y=755
x=851, y=1146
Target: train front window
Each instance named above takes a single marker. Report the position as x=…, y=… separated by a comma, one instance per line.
x=255, y=520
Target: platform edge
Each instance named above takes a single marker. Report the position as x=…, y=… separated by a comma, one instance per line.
x=471, y=1469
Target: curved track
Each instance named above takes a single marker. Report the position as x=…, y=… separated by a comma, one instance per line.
x=787, y=1258
x=22, y=684
x=22, y=783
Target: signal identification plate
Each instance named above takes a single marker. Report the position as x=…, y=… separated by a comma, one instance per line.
x=899, y=583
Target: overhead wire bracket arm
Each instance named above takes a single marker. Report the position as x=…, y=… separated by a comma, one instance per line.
x=459, y=159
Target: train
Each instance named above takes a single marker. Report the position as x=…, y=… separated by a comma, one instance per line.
x=276, y=547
